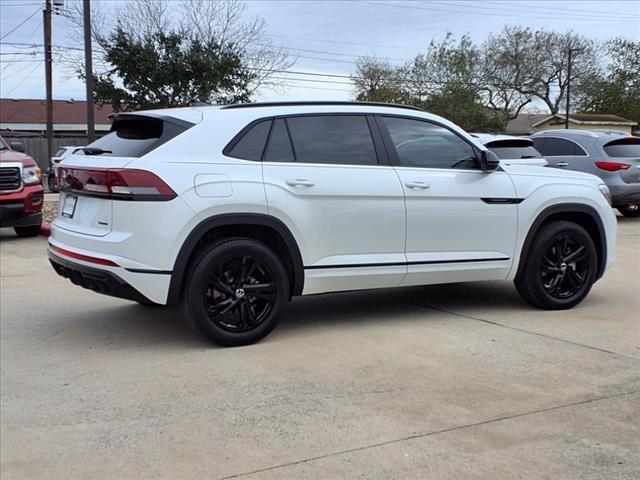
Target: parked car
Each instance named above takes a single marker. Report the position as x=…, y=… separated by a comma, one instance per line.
x=612, y=156
x=21, y=192
x=231, y=211
x=512, y=150
x=60, y=155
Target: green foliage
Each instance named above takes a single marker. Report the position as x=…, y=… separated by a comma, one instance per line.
x=617, y=89
x=169, y=69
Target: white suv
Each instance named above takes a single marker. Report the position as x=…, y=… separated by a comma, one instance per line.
x=231, y=211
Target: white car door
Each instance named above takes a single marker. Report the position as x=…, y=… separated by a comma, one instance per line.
x=461, y=221
x=345, y=209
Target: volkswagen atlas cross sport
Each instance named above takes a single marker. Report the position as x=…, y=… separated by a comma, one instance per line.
x=231, y=211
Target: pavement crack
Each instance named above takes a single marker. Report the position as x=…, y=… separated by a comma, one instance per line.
x=428, y=434
x=524, y=330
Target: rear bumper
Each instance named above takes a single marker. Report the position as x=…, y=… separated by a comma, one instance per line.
x=625, y=194
x=97, y=280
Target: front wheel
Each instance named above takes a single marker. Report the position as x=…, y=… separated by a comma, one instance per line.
x=560, y=267
x=632, y=210
x=235, y=292
x=30, y=231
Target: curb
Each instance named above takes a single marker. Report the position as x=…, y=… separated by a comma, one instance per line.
x=45, y=229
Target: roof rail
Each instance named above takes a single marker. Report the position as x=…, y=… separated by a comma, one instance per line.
x=316, y=103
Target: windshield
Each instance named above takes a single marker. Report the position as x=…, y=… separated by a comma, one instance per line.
x=513, y=149
x=624, y=147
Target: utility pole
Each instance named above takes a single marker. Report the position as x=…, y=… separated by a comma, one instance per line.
x=88, y=71
x=48, y=77
x=566, y=120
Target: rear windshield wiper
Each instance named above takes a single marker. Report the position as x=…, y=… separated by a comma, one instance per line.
x=94, y=151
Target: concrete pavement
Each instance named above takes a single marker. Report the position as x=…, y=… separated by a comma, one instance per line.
x=458, y=381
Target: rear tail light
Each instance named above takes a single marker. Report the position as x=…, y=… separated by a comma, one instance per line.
x=115, y=183
x=612, y=166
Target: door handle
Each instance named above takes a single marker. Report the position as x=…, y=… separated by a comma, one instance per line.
x=562, y=164
x=418, y=185
x=299, y=182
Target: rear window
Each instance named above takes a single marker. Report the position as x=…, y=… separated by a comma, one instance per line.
x=60, y=152
x=513, y=149
x=333, y=139
x=624, y=147
x=137, y=135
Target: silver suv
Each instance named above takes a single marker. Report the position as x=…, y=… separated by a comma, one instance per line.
x=613, y=156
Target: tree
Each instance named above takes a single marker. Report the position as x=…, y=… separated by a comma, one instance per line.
x=169, y=69
x=522, y=64
x=616, y=89
x=375, y=81
x=212, y=22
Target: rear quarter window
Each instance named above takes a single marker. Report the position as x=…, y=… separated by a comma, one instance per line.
x=137, y=135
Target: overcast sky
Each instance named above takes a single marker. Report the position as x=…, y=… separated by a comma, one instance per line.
x=327, y=36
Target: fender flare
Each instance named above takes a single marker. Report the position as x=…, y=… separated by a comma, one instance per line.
x=190, y=243
x=566, y=208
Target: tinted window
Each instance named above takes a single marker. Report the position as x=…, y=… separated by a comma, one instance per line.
x=60, y=152
x=627, y=147
x=560, y=147
x=337, y=139
x=424, y=144
x=513, y=149
x=251, y=145
x=134, y=136
x=279, y=149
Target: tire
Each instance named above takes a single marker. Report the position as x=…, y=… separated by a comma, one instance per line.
x=632, y=210
x=220, y=300
x=560, y=267
x=51, y=182
x=30, y=231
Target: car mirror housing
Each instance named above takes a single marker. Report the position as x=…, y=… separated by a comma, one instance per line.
x=17, y=147
x=489, y=161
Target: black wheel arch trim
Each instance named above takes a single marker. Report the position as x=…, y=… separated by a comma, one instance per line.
x=211, y=223
x=565, y=208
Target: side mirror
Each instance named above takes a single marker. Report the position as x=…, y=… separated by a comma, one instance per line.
x=17, y=146
x=489, y=161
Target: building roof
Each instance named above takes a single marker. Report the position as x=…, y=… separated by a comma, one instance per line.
x=523, y=123
x=589, y=118
x=15, y=113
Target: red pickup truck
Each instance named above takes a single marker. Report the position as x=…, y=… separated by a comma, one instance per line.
x=21, y=192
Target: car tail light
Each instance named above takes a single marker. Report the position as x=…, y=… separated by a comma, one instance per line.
x=612, y=166
x=115, y=183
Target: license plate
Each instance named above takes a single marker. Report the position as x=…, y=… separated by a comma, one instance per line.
x=69, y=206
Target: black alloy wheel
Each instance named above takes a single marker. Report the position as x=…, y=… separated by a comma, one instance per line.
x=241, y=294
x=565, y=267
x=235, y=291
x=631, y=210
x=559, y=268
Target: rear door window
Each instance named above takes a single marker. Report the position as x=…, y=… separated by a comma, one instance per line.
x=137, y=135
x=279, y=149
x=332, y=139
x=560, y=147
x=624, y=147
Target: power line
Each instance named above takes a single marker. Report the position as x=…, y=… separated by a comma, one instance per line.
x=23, y=79
x=19, y=25
x=489, y=14
x=20, y=61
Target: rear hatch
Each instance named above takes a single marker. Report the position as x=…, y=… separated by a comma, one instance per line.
x=86, y=199
x=626, y=152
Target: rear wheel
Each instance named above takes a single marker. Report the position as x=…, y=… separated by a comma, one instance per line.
x=235, y=292
x=631, y=210
x=30, y=231
x=559, y=268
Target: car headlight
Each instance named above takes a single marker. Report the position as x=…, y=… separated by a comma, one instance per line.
x=31, y=175
x=604, y=190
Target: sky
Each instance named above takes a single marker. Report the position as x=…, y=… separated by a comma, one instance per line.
x=324, y=37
